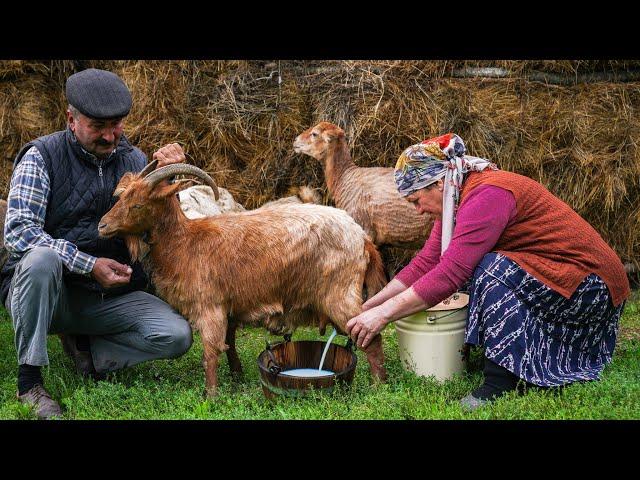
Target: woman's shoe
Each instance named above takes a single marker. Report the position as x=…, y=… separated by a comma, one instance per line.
x=471, y=403
x=497, y=381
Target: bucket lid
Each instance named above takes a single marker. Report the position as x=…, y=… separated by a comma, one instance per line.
x=455, y=302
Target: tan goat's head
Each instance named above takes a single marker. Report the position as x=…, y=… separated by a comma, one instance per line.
x=316, y=141
x=142, y=198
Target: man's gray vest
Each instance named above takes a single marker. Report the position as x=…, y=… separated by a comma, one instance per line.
x=81, y=192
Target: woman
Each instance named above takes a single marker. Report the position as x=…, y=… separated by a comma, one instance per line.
x=546, y=291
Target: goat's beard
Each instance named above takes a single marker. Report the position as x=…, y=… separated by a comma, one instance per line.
x=138, y=249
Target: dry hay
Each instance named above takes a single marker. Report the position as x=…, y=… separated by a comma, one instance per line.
x=10, y=69
x=245, y=119
x=30, y=106
x=238, y=119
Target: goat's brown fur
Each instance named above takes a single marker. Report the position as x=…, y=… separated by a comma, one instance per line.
x=368, y=194
x=279, y=266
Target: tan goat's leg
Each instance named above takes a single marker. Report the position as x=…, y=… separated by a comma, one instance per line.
x=375, y=357
x=213, y=329
x=235, y=366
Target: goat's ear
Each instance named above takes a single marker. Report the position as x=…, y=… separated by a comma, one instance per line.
x=331, y=134
x=163, y=190
x=123, y=184
x=328, y=136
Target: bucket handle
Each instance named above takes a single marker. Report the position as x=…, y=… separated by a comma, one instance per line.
x=432, y=318
x=269, y=345
x=272, y=365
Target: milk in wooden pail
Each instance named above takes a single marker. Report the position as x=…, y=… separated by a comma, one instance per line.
x=430, y=342
x=305, y=354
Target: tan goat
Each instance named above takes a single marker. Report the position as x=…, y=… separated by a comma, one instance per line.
x=368, y=194
x=281, y=265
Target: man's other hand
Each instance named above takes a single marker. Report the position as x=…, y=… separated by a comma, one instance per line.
x=169, y=154
x=110, y=273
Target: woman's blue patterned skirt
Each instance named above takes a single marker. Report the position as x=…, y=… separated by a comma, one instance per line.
x=536, y=333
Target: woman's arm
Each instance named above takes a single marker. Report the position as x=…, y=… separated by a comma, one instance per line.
x=423, y=262
x=393, y=288
x=480, y=222
x=426, y=259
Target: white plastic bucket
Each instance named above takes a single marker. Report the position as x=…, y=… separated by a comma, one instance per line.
x=430, y=342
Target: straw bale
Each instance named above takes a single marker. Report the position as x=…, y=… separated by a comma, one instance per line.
x=10, y=69
x=159, y=90
x=30, y=106
x=238, y=119
x=246, y=120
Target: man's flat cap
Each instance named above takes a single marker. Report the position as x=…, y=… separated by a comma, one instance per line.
x=98, y=94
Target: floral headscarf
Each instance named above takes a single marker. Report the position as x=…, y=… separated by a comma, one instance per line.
x=441, y=157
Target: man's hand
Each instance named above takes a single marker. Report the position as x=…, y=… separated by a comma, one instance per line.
x=169, y=154
x=110, y=273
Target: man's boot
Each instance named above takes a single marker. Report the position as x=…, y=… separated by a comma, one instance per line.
x=81, y=358
x=45, y=406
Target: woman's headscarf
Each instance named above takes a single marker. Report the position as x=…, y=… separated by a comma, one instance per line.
x=425, y=163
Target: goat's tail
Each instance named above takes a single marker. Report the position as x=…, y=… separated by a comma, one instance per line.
x=374, y=277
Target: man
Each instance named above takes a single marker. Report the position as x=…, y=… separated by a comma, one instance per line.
x=62, y=278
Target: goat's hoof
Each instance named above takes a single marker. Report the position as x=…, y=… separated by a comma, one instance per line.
x=210, y=393
x=379, y=376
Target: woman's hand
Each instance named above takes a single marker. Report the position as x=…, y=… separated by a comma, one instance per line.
x=363, y=328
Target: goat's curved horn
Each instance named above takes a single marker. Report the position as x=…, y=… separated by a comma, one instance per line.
x=149, y=168
x=167, y=171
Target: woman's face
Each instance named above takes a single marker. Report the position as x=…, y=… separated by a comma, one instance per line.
x=428, y=199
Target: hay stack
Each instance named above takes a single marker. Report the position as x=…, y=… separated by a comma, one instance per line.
x=12, y=69
x=30, y=106
x=245, y=120
x=238, y=119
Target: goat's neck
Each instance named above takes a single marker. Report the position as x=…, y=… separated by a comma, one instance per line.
x=170, y=227
x=337, y=162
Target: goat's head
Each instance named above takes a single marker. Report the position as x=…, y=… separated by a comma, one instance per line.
x=142, y=197
x=316, y=141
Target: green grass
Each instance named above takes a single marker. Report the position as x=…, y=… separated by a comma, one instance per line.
x=173, y=389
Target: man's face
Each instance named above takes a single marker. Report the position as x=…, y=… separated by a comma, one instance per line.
x=98, y=137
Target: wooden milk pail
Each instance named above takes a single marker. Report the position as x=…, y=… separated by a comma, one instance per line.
x=430, y=342
x=304, y=354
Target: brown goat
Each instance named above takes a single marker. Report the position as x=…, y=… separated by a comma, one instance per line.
x=282, y=265
x=368, y=194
